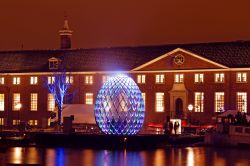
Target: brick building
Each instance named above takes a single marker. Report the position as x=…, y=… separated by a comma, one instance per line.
x=213, y=77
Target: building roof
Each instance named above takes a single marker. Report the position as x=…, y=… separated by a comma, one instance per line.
x=231, y=54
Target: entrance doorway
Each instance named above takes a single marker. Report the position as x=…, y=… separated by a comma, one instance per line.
x=178, y=107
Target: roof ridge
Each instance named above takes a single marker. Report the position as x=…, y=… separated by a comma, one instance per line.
x=130, y=47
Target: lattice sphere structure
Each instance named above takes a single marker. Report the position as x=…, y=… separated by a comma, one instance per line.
x=119, y=107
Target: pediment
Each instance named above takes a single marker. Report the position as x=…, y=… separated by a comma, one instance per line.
x=179, y=59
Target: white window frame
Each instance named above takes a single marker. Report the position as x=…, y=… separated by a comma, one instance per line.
x=1, y=121
x=51, y=80
x=16, y=101
x=69, y=79
x=144, y=98
x=218, y=102
x=33, y=122
x=2, y=101
x=141, y=78
x=15, y=122
x=33, y=80
x=53, y=63
x=51, y=102
x=88, y=80
x=160, y=78
x=33, y=101
x=198, y=101
x=159, y=102
x=219, y=77
x=2, y=80
x=199, y=78
x=105, y=78
x=89, y=98
x=179, y=78
x=241, y=101
x=16, y=80
x=241, y=77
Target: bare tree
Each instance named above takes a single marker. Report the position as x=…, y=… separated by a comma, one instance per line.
x=59, y=88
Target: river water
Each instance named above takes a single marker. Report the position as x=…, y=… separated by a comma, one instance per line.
x=188, y=156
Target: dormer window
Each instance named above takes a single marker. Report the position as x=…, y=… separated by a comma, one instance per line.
x=54, y=63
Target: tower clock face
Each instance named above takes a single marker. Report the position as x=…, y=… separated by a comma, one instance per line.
x=179, y=59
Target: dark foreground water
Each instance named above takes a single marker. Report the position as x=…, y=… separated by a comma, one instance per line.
x=188, y=156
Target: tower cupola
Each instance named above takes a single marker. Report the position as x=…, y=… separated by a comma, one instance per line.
x=65, y=36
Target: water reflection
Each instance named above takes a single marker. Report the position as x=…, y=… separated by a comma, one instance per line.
x=20, y=155
x=121, y=157
x=189, y=156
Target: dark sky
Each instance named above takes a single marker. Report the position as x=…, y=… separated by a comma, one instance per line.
x=106, y=23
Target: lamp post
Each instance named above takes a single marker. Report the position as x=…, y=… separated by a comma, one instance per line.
x=190, y=109
x=18, y=106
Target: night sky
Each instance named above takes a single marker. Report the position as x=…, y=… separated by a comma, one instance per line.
x=96, y=23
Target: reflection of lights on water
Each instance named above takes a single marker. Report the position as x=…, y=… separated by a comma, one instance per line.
x=190, y=156
x=17, y=156
x=125, y=156
x=21, y=155
x=219, y=160
x=50, y=157
x=60, y=156
x=105, y=158
x=159, y=157
x=55, y=157
x=32, y=155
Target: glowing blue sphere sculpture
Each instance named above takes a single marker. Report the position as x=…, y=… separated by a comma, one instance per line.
x=119, y=108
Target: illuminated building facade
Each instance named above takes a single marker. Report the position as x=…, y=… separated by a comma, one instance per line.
x=213, y=77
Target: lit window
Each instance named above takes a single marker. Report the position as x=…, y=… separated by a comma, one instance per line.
x=179, y=78
x=16, y=80
x=16, y=102
x=33, y=101
x=33, y=122
x=33, y=80
x=144, y=98
x=141, y=79
x=159, y=101
x=199, y=102
x=219, y=77
x=1, y=102
x=199, y=78
x=89, y=80
x=51, y=79
x=1, y=121
x=242, y=101
x=15, y=122
x=51, y=102
x=1, y=80
x=69, y=79
x=105, y=78
x=159, y=78
x=49, y=121
x=89, y=98
x=241, y=77
x=219, y=101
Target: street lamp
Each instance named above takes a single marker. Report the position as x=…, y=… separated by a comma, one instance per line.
x=190, y=109
x=18, y=107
